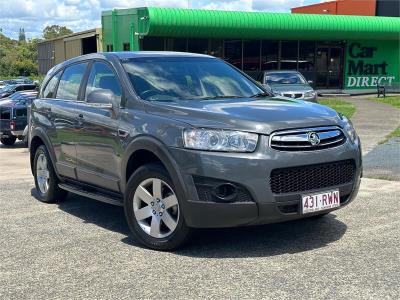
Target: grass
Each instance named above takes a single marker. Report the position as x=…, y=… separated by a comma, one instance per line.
x=394, y=101
x=340, y=106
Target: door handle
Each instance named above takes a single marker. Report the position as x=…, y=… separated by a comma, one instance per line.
x=122, y=133
x=80, y=116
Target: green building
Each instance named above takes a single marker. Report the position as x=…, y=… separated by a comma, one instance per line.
x=351, y=54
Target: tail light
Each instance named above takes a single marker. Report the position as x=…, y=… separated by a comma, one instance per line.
x=12, y=125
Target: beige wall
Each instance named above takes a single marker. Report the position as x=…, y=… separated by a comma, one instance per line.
x=73, y=48
x=58, y=51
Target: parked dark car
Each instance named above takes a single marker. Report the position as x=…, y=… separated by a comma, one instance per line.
x=186, y=141
x=25, y=95
x=290, y=84
x=13, y=120
x=11, y=89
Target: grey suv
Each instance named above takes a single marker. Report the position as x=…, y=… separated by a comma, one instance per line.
x=186, y=141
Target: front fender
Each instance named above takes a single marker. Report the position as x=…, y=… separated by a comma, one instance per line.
x=160, y=150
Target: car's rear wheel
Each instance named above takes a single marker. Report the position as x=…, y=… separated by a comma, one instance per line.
x=152, y=209
x=8, y=141
x=46, y=180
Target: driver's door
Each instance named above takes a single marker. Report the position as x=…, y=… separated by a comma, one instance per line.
x=98, y=145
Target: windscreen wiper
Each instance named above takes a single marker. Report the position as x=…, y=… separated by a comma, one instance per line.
x=260, y=95
x=220, y=97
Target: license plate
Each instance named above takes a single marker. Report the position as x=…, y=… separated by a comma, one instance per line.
x=320, y=201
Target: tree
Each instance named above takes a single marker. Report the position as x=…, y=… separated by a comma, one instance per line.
x=54, y=31
x=18, y=58
x=21, y=36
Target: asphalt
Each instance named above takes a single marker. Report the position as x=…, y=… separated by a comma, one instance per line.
x=81, y=249
x=373, y=121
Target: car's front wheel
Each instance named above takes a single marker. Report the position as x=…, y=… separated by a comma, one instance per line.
x=152, y=209
x=8, y=141
x=46, y=180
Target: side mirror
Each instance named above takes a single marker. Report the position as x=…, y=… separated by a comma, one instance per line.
x=101, y=98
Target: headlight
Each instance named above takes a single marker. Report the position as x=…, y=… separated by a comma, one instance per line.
x=310, y=94
x=220, y=140
x=348, y=127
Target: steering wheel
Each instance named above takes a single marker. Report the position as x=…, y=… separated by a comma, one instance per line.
x=148, y=93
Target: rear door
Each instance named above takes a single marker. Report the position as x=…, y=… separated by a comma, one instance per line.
x=61, y=95
x=98, y=145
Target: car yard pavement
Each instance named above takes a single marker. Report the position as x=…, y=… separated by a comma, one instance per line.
x=81, y=249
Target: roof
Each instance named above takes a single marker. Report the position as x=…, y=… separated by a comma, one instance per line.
x=75, y=35
x=138, y=54
x=198, y=23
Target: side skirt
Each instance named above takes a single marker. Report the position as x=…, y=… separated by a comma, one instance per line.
x=93, y=193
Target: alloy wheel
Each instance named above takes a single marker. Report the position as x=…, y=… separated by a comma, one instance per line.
x=42, y=173
x=156, y=208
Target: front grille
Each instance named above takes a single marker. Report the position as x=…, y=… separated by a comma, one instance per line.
x=307, y=139
x=293, y=95
x=312, y=177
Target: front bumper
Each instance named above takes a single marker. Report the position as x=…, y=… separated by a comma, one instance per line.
x=252, y=171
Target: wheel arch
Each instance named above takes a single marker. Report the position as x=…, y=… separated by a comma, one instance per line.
x=38, y=138
x=157, y=150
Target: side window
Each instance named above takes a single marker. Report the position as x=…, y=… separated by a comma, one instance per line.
x=102, y=78
x=5, y=113
x=21, y=112
x=49, y=91
x=70, y=81
x=19, y=88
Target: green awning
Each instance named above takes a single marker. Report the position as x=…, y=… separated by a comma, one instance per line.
x=196, y=23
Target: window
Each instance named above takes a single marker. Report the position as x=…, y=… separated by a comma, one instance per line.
x=233, y=53
x=216, y=48
x=21, y=112
x=269, y=55
x=198, y=46
x=153, y=43
x=49, y=91
x=68, y=88
x=176, y=44
x=251, y=55
x=29, y=87
x=284, y=78
x=306, y=59
x=127, y=46
x=187, y=79
x=289, y=53
x=5, y=113
x=102, y=77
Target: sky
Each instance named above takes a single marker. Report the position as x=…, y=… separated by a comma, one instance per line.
x=78, y=15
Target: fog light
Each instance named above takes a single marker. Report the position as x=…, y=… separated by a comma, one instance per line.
x=225, y=191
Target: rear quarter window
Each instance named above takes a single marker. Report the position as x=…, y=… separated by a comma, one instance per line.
x=5, y=113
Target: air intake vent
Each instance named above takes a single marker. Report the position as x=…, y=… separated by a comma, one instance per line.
x=312, y=177
x=307, y=139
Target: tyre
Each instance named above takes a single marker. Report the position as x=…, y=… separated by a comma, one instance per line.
x=8, y=141
x=152, y=209
x=46, y=180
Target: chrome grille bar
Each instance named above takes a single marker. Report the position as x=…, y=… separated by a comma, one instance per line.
x=299, y=139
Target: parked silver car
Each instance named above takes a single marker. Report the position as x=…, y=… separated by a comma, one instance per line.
x=290, y=84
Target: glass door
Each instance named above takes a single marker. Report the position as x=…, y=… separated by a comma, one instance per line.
x=329, y=67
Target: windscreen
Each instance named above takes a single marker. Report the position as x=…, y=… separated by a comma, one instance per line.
x=174, y=79
x=285, y=78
